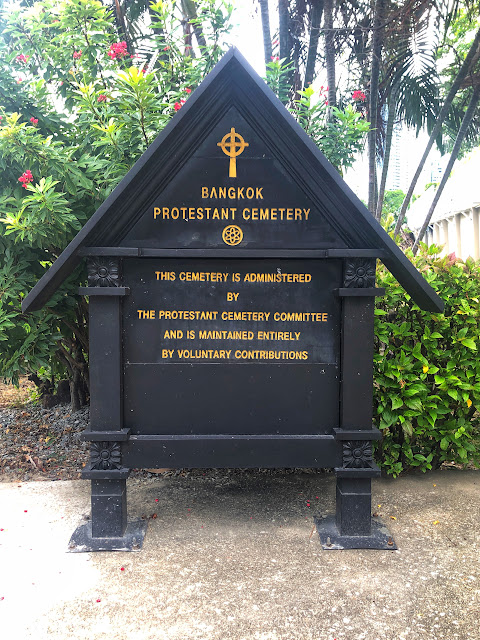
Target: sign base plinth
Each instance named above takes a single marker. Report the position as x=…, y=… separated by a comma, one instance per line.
x=132, y=540
x=331, y=539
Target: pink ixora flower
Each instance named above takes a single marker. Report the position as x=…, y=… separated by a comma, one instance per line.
x=19, y=80
x=177, y=106
x=118, y=50
x=77, y=55
x=275, y=58
x=26, y=178
x=34, y=120
x=22, y=58
x=359, y=96
x=187, y=90
x=102, y=98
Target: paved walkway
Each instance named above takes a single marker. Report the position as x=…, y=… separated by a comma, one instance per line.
x=233, y=558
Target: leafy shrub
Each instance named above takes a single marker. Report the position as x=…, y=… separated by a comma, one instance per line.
x=426, y=368
x=78, y=106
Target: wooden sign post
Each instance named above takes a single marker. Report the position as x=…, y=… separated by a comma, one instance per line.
x=231, y=284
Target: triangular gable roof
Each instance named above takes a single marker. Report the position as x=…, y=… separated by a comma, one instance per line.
x=234, y=85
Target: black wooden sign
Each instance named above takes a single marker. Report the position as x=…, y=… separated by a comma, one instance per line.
x=231, y=284
x=226, y=345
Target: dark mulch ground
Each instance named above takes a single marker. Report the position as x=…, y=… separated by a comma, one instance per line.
x=42, y=444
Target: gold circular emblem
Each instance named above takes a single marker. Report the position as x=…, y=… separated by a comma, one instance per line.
x=232, y=235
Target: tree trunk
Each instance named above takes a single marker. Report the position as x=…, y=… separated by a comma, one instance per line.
x=159, y=33
x=122, y=27
x=267, y=39
x=190, y=13
x=316, y=18
x=467, y=118
x=386, y=154
x=285, y=42
x=284, y=29
x=377, y=39
x=330, y=52
x=464, y=69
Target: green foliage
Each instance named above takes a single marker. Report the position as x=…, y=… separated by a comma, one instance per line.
x=392, y=203
x=427, y=370
x=340, y=134
x=451, y=54
x=277, y=77
x=77, y=109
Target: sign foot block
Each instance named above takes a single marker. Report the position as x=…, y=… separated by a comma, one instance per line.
x=132, y=540
x=330, y=538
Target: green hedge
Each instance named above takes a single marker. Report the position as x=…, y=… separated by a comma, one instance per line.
x=427, y=370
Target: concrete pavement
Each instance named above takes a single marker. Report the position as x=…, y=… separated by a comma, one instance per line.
x=232, y=556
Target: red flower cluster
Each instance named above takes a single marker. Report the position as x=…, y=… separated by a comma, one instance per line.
x=77, y=55
x=178, y=105
x=275, y=58
x=166, y=48
x=26, y=178
x=102, y=98
x=324, y=93
x=359, y=96
x=22, y=58
x=187, y=90
x=118, y=50
x=34, y=120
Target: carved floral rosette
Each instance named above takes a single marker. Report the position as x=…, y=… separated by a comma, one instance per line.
x=105, y=456
x=357, y=454
x=103, y=272
x=359, y=273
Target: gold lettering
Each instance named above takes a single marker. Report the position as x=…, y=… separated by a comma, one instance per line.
x=148, y=314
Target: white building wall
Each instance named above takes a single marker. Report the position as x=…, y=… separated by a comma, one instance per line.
x=458, y=233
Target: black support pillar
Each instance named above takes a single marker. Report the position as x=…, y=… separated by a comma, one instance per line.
x=353, y=526
x=108, y=528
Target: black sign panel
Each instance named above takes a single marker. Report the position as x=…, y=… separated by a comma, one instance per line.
x=234, y=191
x=272, y=325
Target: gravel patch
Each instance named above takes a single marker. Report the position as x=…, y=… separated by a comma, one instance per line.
x=42, y=444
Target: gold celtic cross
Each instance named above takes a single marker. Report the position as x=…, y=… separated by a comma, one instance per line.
x=232, y=145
